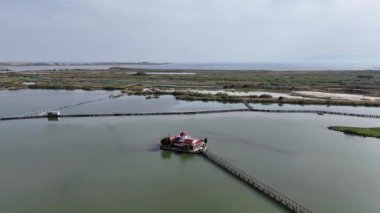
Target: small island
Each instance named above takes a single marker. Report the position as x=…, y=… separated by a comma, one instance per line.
x=364, y=132
x=184, y=143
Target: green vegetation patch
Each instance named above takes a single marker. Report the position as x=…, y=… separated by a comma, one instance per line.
x=136, y=81
x=365, y=132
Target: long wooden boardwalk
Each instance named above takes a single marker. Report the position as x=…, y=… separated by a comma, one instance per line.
x=270, y=192
x=125, y=114
x=320, y=112
x=248, y=109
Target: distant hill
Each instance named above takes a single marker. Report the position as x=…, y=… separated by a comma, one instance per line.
x=76, y=64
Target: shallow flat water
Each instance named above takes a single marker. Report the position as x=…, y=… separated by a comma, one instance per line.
x=114, y=164
x=24, y=102
x=212, y=66
x=111, y=165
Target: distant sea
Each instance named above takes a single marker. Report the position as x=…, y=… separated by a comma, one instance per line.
x=210, y=66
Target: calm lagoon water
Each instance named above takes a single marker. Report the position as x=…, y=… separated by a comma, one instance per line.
x=23, y=102
x=115, y=165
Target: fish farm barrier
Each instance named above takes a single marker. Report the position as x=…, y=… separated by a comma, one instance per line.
x=250, y=109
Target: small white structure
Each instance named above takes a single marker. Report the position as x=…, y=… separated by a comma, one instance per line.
x=53, y=115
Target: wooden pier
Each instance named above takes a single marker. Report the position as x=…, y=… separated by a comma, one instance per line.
x=124, y=114
x=319, y=112
x=270, y=192
x=248, y=105
x=248, y=109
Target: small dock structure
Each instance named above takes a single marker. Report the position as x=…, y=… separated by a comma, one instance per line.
x=270, y=192
x=53, y=115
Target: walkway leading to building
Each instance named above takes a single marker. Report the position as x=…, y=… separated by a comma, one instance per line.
x=270, y=192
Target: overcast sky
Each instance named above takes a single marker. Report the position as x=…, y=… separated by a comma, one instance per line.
x=305, y=31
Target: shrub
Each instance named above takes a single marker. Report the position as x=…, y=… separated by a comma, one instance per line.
x=365, y=76
x=265, y=96
x=165, y=141
x=140, y=74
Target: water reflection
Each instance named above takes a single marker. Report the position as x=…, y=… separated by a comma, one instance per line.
x=166, y=154
x=183, y=157
x=154, y=148
x=243, y=141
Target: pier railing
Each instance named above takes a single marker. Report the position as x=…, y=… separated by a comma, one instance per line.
x=249, y=108
x=270, y=192
x=320, y=112
x=125, y=114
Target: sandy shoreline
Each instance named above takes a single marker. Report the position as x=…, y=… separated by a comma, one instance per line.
x=294, y=94
x=337, y=96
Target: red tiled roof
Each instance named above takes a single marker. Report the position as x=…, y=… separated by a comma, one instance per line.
x=184, y=133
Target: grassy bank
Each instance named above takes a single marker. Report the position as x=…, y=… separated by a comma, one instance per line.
x=133, y=81
x=235, y=99
x=365, y=132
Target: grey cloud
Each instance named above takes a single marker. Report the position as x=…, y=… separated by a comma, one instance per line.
x=190, y=30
